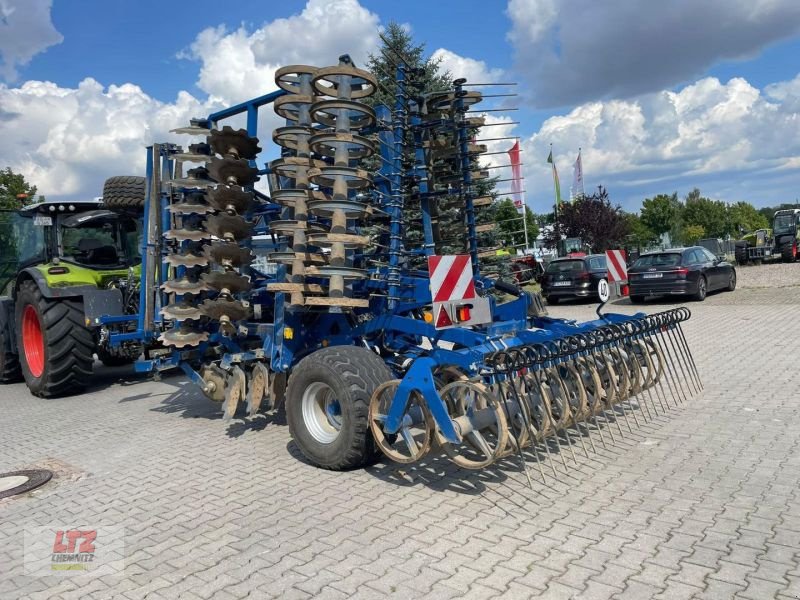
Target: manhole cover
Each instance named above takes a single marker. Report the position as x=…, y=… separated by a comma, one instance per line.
x=19, y=482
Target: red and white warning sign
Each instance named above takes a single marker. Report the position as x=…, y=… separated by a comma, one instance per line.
x=451, y=277
x=617, y=266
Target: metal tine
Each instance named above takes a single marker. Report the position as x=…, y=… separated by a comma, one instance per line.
x=640, y=383
x=623, y=400
x=681, y=360
x=665, y=371
x=512, y=432
x=658, y=373
x=575, y=346
x=596, y=399
x=513, y=384
x=599, y=355
x=675, y=338
x=546, y=404
x=643, y=383
x=669, y=370
x=627, y=371
x=686, y=346
x=544, y=437
x=614, y=380
x=567, y=407
x=673, y=369
x=554, y=367
x=651, y=372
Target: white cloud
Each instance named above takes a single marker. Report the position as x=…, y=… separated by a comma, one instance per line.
x=710, y=133
x=240, y=64
x=25, y=31
x=573, y=51
x=474, y=71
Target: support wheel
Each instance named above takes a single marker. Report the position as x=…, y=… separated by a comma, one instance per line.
x=56, y=347
x=327, y=406
x=415, y=437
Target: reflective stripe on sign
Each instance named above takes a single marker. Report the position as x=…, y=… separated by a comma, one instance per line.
x=617, y=266
x=451, y=277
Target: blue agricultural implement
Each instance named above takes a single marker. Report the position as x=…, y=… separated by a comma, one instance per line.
x=311, y=292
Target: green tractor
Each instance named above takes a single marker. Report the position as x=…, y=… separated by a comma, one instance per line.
x=780, y=242
x=62, y=266
x=786, y=231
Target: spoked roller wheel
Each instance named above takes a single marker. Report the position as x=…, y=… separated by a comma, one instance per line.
x=415, y=437
x=479, y=419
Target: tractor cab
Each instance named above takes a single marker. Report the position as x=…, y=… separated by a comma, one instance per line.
x=60, y=234
x=786, y=229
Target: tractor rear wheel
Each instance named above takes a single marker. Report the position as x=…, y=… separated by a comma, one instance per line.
x=327, y=406
x=10, y=370
x=789, y=252
x=124, y=191
x=55, y=346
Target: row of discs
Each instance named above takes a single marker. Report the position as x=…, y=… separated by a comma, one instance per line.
x=207, y=218
x=325, y=157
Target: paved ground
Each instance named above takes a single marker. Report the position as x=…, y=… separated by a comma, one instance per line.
x=701, y=503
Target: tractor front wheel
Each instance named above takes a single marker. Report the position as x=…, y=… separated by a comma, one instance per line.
x=55, y=346
x=327, y=406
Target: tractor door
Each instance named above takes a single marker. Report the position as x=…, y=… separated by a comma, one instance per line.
x=22, y=243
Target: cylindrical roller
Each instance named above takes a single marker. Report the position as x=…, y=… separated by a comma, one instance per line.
x=344, y=116
x=343, y=147
x=295, y=79
x=294, y=108
x=233, y=142
x=294, y=137
x=344, y=81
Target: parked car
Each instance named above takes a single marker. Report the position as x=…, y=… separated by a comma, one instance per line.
x=576, y=277
x=690, y=271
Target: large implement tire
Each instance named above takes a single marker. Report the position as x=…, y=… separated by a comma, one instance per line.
x=55, y=346
x=124, y=191
x=10, y=370
x=327, y=406
x=789, y=252
x=740, y=253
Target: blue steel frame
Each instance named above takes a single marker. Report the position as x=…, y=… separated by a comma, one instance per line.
x=398, y=296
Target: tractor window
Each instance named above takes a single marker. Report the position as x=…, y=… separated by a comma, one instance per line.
x=95, y=245
x=783, y=223
x=21, y=244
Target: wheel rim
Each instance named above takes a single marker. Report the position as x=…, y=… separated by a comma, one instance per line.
x=702, y=288
x=322, y=412
x=733, y=280
x=33, y=341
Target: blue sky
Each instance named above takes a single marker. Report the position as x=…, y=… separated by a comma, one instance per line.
x=660, y=98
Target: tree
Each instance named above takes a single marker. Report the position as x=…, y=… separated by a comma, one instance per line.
x=639, y=234
x=743, y=217
x=14, y=190
x=509, y=224
x=692, y=233
x=593, y=219
x=711, y=215
x=662, y=214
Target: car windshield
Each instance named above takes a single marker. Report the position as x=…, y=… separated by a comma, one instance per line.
x=783, y=223
x=597, y=263
x=565, y=266
x=667, y=259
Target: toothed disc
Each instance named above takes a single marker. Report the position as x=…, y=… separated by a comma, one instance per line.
x=231, y=198
x=228, y=226
x=230, y=280
x=228, y=254
x=233, y=141
x=183, y=235
x=192, y=157
x=186, y=260
x=218, y=308
x=233, y=171
x=184, y=286
x=181, y=311
x=191, y=130
x=182, y=337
